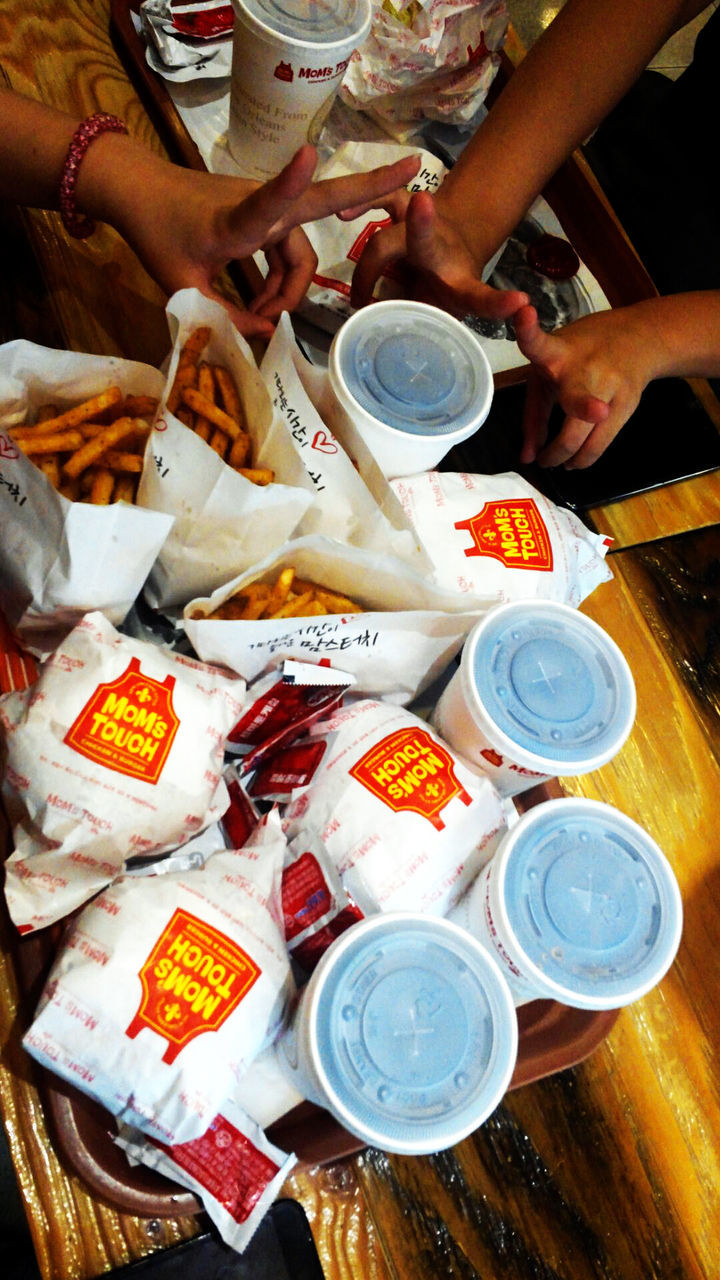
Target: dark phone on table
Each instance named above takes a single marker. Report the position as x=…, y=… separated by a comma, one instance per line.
x=282, y=1248
x=669, y=437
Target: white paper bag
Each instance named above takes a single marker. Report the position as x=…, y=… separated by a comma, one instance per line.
x=409, y=633
x=223, y=522
x=60, y=559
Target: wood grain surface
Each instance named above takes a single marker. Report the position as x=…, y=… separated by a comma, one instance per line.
x=606, y=1171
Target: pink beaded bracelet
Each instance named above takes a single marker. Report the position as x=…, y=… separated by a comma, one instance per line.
x=76, y=224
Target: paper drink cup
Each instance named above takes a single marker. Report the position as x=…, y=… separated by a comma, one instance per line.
x=578, y=905
x=541, y=691
x=289, y=58
x=412, y=380
x=406, y=1032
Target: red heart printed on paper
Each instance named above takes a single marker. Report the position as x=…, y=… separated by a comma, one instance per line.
x=8, y=449
x=323, y=443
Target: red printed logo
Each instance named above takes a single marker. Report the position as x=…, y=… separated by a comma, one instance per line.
x=512, y=532
x=192, y=981
x=128, y=724
x=284, y=71
x=410, y=770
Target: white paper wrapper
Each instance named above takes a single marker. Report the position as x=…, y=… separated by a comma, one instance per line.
x=59, y=559
x=116, y=751
x=351, y=503
x=409, y=633
x=166, y=988
x=428, y=59
x=406, y=824
x=499, y=535
x=223, y=522
x=235, y=1171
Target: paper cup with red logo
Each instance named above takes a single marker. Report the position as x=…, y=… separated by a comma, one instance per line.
x=577, y=905
x=289, y=57
x=541, y=691
x=411, y=380
x=406, y=1032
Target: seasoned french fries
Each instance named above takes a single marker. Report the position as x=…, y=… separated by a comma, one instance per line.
x=288, y=597
x=79, y=449
x=205, y=397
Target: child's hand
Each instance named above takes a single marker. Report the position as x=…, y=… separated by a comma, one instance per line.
x=596, y=368
x=436, y=261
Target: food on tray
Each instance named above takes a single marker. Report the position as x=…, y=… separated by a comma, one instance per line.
x=205, y=398
x=287, y=597
x=92, y=452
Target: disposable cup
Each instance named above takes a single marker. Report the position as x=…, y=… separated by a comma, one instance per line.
x=541, y=691
x=406, y=1033
x=577, y=905
x=289, y=58
x=411, y=380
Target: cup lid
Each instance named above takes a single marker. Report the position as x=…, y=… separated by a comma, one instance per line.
x=314, y=21
x=591, y=900
x=418, y=1032
x=414, y=367
x=553, y=682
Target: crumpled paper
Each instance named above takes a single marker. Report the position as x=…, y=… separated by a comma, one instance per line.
x=428, y=59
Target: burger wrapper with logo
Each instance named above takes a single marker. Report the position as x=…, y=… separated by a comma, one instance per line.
x=58, y=559
x=351, y=499
x=166, y=988
x=497, y=535
x=405, y=637
x=404, y=822
x=116, y=751
x=233, y=1168
x=222, y=521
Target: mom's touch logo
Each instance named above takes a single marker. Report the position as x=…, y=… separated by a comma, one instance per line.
x=512, y=532
x=128, y=724
x=192, y=980
x=411, y=770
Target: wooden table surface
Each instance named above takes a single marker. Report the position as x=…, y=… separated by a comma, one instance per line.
x=606, y=1171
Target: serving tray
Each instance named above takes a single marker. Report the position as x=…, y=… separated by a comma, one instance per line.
x=552, y=1038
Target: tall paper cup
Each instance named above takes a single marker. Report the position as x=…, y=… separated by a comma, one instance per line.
x=412, y=380
x=578, y=905
x=289, y=58
x=406, y=1032
x=541, y=691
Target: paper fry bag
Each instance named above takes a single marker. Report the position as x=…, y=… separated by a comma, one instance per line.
x=60, y=559
x=223, y=522
x=405, y=637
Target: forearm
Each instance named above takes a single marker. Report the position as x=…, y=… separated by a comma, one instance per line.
x=680, y=333
x=573, y=75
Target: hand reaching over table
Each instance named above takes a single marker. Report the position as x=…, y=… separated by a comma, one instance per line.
x=598, y=367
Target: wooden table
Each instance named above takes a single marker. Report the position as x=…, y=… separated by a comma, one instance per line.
x=607, y=1171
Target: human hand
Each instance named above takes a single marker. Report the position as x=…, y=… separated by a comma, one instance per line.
x=596, y=368
x=435, y=257
x=195, y=223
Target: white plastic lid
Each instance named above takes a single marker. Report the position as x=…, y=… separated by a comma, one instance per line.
x=414, y=367
x=592, y=902
x=417, y=1032
x=553, y=682
x=312, y=21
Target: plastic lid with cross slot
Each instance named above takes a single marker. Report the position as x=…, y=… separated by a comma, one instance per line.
x=552, y=685
x=311, y=21
x=591, y=909
x=417, y=1032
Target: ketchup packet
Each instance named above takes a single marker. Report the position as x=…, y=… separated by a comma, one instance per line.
x=282, y=705
x=233, y=1168
x=404, y=822
x=316, y=907
x=499, y=535
x=167, y=987
x=116, y=751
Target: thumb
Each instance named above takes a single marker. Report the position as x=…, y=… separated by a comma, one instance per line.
x=536, y=345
